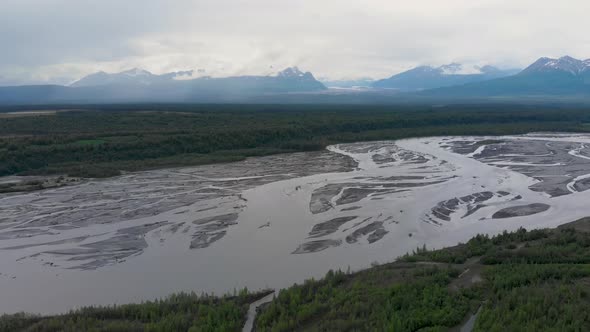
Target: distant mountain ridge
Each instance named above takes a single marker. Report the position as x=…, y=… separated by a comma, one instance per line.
x=565, y=76
x=564, y=64
x=132, y=76
x=427, y=77
x=137, y=85
x=143, y=77
x=546, y=78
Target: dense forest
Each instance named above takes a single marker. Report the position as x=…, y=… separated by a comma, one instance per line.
x=521, y=281
x=536, y=280
x=101, y=141
x=179, y=312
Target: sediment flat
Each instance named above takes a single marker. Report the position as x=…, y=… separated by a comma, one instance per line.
x=275, y=220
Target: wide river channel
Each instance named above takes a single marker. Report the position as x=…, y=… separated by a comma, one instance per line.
x=269, y=222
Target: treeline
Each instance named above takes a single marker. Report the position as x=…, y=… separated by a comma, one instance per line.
x=482, y=245
x=529, y=281
x=180, y=312
x=375, y=300
x=103, y=141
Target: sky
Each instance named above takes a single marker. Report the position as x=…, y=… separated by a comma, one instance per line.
x=59, y=41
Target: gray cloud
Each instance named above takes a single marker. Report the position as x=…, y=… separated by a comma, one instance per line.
x=57, y=40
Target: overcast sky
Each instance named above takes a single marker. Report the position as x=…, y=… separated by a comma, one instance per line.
x=61, y=40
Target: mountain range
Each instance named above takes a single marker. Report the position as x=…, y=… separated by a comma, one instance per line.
x=546, y=77
x=133, y=76
x=427, y=77
x=137, y=85
x=564, y=76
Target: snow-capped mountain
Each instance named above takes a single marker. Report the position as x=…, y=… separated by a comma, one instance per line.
x=130, y=77
x=544, y=78
x=459, y=69
x=138, y=85
x=427, y=77
x=136, y=72
x=292, y=72
x=137, y=76
x=565, y=64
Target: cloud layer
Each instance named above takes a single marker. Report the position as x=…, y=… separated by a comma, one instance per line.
x=60, y=40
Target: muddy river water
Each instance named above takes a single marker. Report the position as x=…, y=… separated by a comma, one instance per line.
x=268, y=222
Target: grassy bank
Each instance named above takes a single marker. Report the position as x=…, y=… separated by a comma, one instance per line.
x=102, y=141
